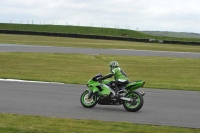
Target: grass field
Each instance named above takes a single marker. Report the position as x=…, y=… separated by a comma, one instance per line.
x=93, y=43
x=158, y=72
x=173, y=34
x=88, y=30
x=74, y=29
x=11, y=123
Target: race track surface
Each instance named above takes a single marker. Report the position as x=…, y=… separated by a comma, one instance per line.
x=51, y=49
x=161, y=107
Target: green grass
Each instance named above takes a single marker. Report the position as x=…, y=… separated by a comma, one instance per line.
x=158, y=72
x=74, y=29
x=93, y=43
x=173, y=34
x=12, y=123
x=88, y=30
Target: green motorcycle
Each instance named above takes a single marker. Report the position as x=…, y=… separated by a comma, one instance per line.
x=104, y=92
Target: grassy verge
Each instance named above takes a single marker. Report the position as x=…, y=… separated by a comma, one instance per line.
x=158, y=72
x=93, y=43
x=11, y=123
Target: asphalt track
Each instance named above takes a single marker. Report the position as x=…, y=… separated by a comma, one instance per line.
x=161, y=107
x=51, y=49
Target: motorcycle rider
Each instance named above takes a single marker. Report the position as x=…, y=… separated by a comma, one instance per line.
x=121, y=78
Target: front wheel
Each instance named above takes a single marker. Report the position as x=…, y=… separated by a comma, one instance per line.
x=88, y=103
x=134, y=105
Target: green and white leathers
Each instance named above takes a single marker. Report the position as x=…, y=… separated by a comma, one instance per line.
x=99, y=91
x=118, y=73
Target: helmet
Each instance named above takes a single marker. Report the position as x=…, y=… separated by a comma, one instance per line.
x=113, y=64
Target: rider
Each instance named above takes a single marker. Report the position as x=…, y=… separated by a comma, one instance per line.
x=121, y=78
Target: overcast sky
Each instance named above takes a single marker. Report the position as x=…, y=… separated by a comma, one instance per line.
x=151, y=15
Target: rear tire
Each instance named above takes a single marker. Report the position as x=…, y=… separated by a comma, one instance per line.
x=136, y=104
x=88, y=103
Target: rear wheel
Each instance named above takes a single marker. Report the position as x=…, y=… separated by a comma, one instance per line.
x=88, y=103
x=134, y=105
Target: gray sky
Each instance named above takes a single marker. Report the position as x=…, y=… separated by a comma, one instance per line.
x=155, y=15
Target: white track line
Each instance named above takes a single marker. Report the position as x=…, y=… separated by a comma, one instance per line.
x=156, y=51
x=18, y=80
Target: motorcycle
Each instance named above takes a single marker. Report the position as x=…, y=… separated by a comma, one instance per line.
x=97, y=89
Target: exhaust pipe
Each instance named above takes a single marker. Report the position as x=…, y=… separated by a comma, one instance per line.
x=126, y=99
x=142, y=93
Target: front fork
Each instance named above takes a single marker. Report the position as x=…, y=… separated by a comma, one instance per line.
x=90, y=94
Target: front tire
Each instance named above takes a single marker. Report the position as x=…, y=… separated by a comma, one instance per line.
x=88, y=103
x=136, y=104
